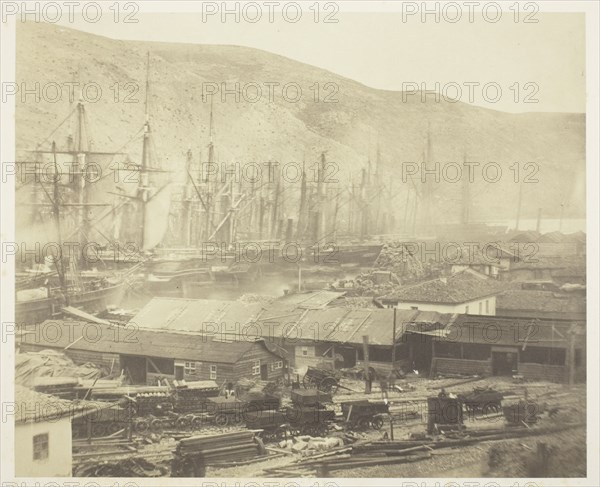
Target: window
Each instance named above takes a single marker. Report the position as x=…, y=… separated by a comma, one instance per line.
x=480, y=307
x=190, y=368
x=213, y=372
x=276, y=365
x=40, y=446
x=466, y=310
x=487, y=306
x=414, y=307
x=306, y=351
x=256, y=367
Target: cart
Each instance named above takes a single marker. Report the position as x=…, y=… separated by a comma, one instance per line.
x=323, y=380
x=361, y=415
x=482, y=399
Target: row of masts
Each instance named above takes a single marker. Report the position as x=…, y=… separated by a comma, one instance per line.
x=229, y=210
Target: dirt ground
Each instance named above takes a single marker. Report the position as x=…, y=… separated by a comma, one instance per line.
x=505, y=458
x=558, y=403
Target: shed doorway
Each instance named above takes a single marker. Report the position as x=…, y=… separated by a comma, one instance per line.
x=504, y=363
x=135, y=368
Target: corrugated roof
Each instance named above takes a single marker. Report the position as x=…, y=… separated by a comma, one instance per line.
x=458, y=288
x=342, y=325
x=495, y=330
x=190, y=314
x=131, y=340
x=311, y=300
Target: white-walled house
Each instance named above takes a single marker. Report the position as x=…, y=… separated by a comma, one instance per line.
x=43, y=438
x=464, y=292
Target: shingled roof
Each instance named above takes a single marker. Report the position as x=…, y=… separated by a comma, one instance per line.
x=459, y=288
x=547, y=301
x=31, y=406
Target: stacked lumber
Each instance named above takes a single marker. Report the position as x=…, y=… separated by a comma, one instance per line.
x=218, y=448
x=129, y=467
x=63, y=387
x=120, y=391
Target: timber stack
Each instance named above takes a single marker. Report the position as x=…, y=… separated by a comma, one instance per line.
x=195, y=453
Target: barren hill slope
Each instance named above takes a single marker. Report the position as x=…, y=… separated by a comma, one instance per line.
x=288, y=131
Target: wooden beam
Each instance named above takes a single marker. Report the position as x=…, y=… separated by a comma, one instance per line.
x=366, y=364
x=394, y=342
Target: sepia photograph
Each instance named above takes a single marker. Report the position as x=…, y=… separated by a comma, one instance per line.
x=299, y=243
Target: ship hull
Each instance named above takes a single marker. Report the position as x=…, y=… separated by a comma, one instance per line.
x=95, y=301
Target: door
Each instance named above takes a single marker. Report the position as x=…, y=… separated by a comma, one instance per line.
x=504, y=363
x=179, y=372
x=135, y=368
x=264, y=372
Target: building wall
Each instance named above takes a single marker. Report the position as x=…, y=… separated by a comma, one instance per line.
x=530, y=371
x=473, y=307
x=310, y=354
x=526, y=274
x=487, y=269
x=552, y=373
x=58, y=463
x=245, y=366
x=461, y=366
x=225, y=372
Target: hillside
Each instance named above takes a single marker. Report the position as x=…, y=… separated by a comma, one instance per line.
x=284, y=131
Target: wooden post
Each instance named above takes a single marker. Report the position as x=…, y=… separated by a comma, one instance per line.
x=333, y=355
x=391, y=428
x=366, y=364
x=394, y=342
x=571, y=356
x=89, y=428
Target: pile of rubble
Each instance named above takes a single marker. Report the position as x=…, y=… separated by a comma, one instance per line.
x=30, y=367
x=308, y=445
x=398, y=258
x=369, y=284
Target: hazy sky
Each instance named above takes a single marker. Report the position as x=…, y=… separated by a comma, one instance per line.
x=382, y=51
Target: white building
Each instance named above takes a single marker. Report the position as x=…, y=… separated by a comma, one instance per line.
x=465, y=292
x=43, y=445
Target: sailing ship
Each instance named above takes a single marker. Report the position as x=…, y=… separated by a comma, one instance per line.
x=101, y=225
x=62, y=279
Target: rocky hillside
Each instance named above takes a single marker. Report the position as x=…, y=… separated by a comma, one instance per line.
x=290, y=131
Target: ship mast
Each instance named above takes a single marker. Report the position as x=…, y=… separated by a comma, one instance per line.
x=302, y=210
x=60, y=264
x=144, y=183
x=466, y=197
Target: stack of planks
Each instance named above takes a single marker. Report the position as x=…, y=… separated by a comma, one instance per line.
x=239, y=445
x=63, y=387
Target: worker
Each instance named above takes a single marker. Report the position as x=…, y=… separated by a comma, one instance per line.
x=383, y=384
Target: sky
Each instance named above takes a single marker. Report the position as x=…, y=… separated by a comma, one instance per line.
x=543, y=62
